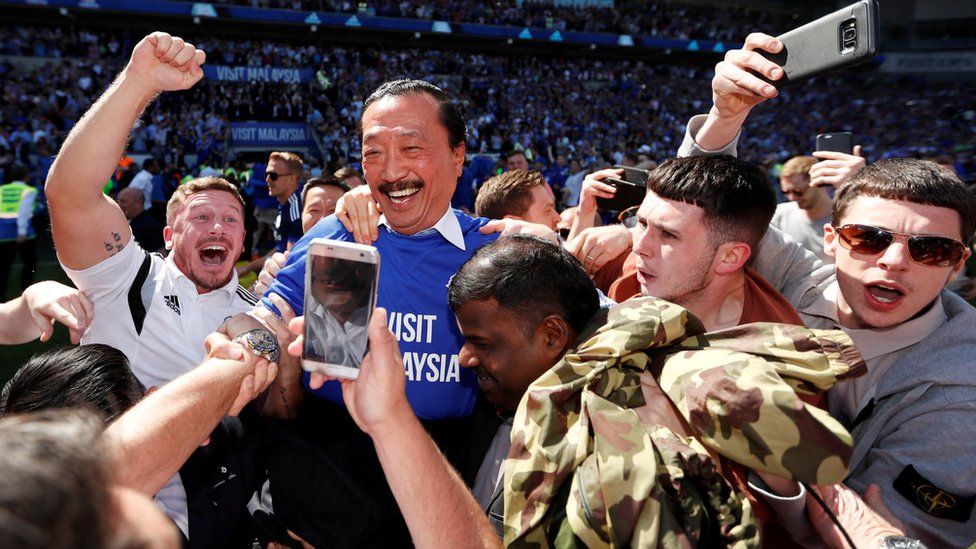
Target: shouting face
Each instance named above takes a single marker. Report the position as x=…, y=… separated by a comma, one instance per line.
x=887, y=288
x=207, y=236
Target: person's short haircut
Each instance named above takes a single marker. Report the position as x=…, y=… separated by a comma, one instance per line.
x=92, y=376
x=292, y=160
x=508, y=193
x=17, y=172
x=515, y=152
x=529, y=276
x=54, y=484
x=200, y=184
x=346, y=172
x=911, y=180
x=737, y=201
x=450, y=115
x=323, y=181
x=798, y=165
x=148, y=163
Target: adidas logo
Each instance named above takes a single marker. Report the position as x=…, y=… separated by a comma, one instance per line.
x=172, y=302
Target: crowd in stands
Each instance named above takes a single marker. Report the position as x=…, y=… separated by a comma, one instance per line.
x=583, y=109
x=689, y=364
x=662, y=19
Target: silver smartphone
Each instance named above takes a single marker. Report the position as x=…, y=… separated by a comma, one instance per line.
x=340, y=294
x=842, y=39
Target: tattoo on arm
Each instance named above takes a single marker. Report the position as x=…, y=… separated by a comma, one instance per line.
x=116, y=247
x=289, y=412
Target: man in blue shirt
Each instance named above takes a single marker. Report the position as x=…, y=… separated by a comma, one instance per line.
x=413, y=149
x=413, y=154
x=284, y=175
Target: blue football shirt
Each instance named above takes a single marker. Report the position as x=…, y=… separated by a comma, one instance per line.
x=414, y=274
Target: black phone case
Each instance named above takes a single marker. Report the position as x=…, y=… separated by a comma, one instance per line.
x=630, y=190
x=627, y=195
x=816, y=48
x=842, y=142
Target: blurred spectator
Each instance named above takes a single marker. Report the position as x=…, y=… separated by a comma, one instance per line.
x=319, y=199
x=803, y=216
x=349, y=176
x=17, y=204
x=145, y=229
x=518, y=194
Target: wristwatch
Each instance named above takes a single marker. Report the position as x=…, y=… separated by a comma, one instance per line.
x=262, y=343
x=901, y=542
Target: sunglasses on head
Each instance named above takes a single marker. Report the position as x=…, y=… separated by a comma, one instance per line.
x=933, y=251
x=274, y=175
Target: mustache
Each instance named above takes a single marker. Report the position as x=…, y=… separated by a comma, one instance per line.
x=387, y=188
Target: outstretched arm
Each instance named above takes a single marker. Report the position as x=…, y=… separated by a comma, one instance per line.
x=32, y=315
x=736, y=90
x=150, y=442
x=438, y=508
x=88, y=226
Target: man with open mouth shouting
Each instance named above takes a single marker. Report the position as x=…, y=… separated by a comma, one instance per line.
x=900, y=230
x=156, y=310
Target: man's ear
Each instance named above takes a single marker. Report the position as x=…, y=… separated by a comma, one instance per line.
x=168, y=237
x=459, y=153
x=731, y=257
x=830, y=240
x=557, y=335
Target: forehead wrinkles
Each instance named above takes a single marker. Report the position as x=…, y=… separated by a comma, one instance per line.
x=212, y=202
x=416, y=112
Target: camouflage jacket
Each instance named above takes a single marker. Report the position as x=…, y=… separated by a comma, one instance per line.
x=625, y=482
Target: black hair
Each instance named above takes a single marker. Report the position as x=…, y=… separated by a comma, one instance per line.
x=737, y=201
x=530, y=276
x=911, y=180
x=450, y=115
x=17, y=172
x=95, y=376
x=323, y=181
x=54, y=481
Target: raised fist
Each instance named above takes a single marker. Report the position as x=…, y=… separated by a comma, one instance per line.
x=166, y=63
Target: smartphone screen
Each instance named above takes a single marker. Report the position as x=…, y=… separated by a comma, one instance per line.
x=339, y=300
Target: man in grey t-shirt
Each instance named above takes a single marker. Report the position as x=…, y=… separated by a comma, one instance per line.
x=900, y=231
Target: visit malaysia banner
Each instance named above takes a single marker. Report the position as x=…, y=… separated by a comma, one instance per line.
x=224, y=73
x=256, y=134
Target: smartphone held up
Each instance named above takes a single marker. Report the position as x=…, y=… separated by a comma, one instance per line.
x=340, y=294
x=842, y=39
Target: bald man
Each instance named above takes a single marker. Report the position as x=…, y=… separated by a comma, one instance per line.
x=145, y=229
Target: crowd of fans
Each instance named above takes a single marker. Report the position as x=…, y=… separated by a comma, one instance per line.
x=661, y=19
x=591, y=111
x=706, y=368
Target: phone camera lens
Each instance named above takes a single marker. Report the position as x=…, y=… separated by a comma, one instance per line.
x=850, y=34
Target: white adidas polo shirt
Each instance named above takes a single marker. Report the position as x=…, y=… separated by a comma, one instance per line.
x=149, y=310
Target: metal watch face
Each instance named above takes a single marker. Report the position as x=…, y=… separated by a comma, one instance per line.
x=264, y=343
x=901, y=542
